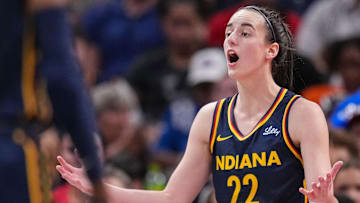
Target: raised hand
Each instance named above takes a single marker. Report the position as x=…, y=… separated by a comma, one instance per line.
x=322, y=191
x=75, y=176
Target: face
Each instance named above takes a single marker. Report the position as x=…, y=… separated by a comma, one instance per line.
x=349, y=66
x=115, y=124
x=338, y=153
x=183, y=28
x=348, y=182
x=245, y=45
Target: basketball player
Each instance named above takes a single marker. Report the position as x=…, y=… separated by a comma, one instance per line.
x=38, y=75
x=261, y=144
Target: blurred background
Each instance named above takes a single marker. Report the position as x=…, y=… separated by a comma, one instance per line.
x=149, y=65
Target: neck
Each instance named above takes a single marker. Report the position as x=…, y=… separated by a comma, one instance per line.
x=256, y=94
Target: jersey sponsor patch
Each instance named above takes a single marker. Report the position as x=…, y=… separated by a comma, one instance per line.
x=271, y=131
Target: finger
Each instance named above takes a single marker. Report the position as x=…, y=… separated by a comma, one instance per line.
x=65, y=164
x=336, y=169
x=304, y=191
x=328, y=178
x=322, y=181
x=315, y=186
x=69, y=179
x=64, y=172
x=60, y=169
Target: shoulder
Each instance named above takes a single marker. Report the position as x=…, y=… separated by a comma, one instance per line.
x=202, y=123
x=206, y=112
x=306, y=120
x=302, y=108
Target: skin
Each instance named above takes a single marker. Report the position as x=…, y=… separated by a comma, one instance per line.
x=348, y=183
x=307, y=126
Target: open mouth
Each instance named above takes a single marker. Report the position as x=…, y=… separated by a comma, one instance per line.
x=232, y=57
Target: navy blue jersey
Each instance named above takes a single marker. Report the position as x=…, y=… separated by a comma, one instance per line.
x=261, y=167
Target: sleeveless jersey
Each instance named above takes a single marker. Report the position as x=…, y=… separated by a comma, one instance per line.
x=261, y=167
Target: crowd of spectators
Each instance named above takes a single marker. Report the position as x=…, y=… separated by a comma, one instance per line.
x=149, y=66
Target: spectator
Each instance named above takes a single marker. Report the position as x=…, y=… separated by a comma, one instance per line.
x=342, y=146
x=347, y=116
x=343, y=60
x=160, y=76
x=120, y=122
x=348, y=181
x=122, y=30
x=324, y=22
x=207, y=67
x=118, y=115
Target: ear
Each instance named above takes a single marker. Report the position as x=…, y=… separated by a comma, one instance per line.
x=272, y=51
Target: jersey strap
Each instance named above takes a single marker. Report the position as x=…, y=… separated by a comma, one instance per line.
x=215, y=123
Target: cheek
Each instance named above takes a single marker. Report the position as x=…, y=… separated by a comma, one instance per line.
x=253, y=51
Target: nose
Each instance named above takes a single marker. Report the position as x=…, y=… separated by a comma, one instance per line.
x=231, y=39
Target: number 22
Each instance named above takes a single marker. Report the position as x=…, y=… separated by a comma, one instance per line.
x=254, y=186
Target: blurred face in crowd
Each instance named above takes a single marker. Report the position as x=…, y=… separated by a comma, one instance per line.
x=184, y=28
x=347, y=182
x=354, y=128
x=338, y=153
x=245, y=44
x=115, y=123
x=349, y=66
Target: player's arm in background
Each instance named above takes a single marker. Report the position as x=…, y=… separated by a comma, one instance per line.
x=185, y=183
x=68, y=95
x=308, y=129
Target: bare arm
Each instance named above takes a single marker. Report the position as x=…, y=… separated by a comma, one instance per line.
x=186, y=181
x=308, y=129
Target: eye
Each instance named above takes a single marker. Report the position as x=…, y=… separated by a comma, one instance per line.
x=244, y=34
x=227, y=34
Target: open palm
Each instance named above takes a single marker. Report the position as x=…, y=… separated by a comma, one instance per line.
x=323, y=189
x=75, y=176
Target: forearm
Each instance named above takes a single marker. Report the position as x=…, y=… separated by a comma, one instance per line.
x=120, y=195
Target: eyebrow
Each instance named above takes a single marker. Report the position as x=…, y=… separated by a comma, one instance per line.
x=242, y=24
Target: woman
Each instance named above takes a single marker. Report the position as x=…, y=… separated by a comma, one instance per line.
x=265, y=163
x=348, y=181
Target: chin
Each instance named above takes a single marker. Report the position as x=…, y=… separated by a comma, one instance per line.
x=238, y=74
